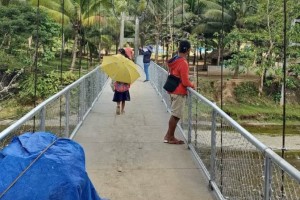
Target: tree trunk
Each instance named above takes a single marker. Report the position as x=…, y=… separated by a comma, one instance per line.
x=74, y=52
x=237, y=67
x=99, y=47
x=4, y=89
x=261, y=84
x=219, y=56
x=219, y=51
x=156, y=48
x=5, y=38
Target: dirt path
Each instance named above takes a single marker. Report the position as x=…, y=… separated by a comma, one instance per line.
x=275, y=142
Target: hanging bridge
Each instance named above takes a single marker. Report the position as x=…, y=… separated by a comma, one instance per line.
x=127, y=159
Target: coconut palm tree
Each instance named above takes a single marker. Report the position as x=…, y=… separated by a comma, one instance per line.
x=242, y=9
x=79, y=13
x=161, y=22
x=210, y=19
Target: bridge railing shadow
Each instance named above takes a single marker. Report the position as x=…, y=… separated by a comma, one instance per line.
x=236, y=164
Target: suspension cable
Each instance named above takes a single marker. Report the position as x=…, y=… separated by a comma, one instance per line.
x=36, y=59
x=62, y=39
x=182, y=13
x=100, y=39
x=61, y=60
x=222, y=71
x=283, y=149
x=87, y=43
x=173, y=21
x=80, y=39
x=284, y=77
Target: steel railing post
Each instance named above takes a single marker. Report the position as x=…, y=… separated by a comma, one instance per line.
x=268, y=178
x=43, y=119
x=189, y=97
x=81, y=104
x=67, y=122
x=213, y=147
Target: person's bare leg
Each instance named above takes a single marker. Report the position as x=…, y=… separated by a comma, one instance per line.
x=118, y=108
x=123, y=107
x=172, y=127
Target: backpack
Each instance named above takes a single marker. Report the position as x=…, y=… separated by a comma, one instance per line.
x=121, y=87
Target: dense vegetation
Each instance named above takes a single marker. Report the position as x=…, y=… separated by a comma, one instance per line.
x=58, y=45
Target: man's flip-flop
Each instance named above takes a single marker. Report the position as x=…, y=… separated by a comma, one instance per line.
x=175, y=142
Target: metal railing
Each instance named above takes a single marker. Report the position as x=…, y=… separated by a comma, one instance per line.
x=63, y=113
x=236, y=164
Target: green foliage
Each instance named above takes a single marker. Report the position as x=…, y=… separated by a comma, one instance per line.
x=16, y=26
x=294, y=33
x=18, y=35
x=292, y=83
x=243, y=58
x=46, y=86
x=7, y=60
x=246, y=92
x=265, y=111
x=295, y=70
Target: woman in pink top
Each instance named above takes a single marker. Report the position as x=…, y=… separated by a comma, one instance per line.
x=129, y=52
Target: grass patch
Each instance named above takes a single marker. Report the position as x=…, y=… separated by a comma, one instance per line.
x=272, y=129
x=56, y=64
x=11, y=109
x=265, y=113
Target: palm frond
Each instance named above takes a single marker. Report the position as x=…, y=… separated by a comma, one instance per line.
x=92, y=20
x=55, y=15
x=54, y=5
x=216, y=15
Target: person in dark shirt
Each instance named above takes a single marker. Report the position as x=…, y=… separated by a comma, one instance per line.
x=146, y=60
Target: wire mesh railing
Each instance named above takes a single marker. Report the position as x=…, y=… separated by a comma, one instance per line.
x=236, y=164
x=63, y=113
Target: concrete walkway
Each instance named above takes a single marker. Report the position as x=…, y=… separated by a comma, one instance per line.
x=126, y=158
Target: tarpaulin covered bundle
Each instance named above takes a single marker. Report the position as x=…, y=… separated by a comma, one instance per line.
x=40, y=166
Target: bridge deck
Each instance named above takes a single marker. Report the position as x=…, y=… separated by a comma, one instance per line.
x=126, y=157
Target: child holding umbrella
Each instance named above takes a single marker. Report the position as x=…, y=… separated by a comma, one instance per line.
x=121, y=91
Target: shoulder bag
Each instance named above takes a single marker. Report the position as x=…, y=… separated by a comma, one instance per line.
x=171, y=83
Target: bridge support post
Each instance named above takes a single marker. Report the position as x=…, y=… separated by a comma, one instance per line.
x=42, y=119
x=67, y=114
x=82, y=95
x=213, y=147
x=268, y=178
x=189, y=117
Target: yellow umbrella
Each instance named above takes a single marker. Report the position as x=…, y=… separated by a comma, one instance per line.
x=119, y=68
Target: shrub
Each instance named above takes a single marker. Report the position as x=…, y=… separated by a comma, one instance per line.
x=46, y=85
x=245, y=92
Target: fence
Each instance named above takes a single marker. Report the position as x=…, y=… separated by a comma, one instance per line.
x=237, y=165
x=63, y=113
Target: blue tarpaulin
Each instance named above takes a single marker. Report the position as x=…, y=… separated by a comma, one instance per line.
x=41, y=166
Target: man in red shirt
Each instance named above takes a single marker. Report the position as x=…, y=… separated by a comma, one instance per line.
x=178, y=66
